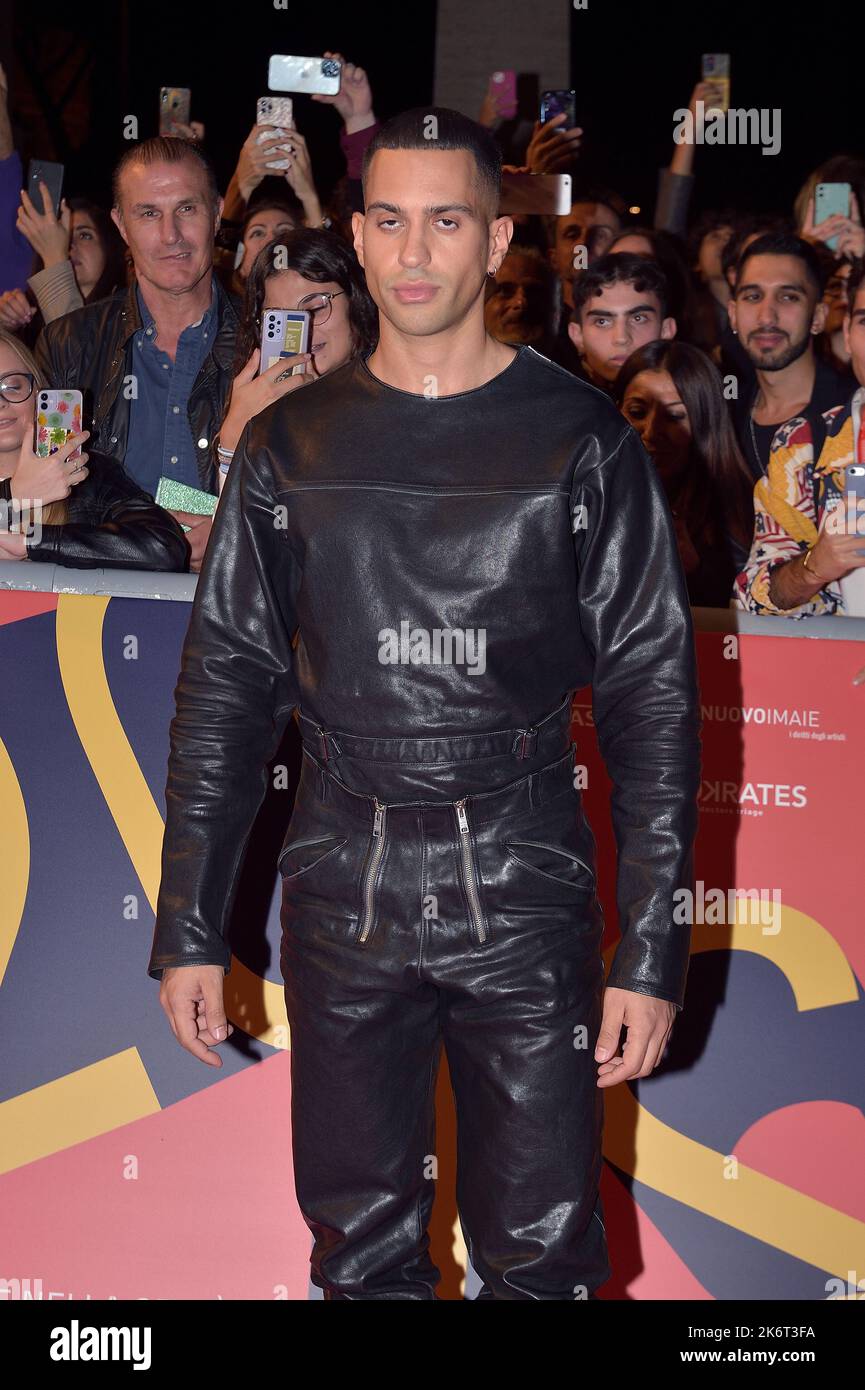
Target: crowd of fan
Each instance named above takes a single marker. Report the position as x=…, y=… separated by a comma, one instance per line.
x=734, y=344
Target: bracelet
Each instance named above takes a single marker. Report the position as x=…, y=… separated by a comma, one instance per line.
x=808, y=567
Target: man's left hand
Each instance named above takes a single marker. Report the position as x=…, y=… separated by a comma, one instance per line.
x=197, y=537
x=648, y=1022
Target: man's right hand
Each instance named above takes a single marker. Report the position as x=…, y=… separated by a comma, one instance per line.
x=191, y=996
x=839, y=549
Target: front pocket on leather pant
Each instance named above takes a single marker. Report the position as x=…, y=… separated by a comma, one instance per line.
x=553, y=863
x=326, y=844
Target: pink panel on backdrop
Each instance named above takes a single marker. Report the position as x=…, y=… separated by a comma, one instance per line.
x=792, y=1144
x=212, y=1211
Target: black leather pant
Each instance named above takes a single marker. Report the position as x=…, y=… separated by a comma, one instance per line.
x=452, y=915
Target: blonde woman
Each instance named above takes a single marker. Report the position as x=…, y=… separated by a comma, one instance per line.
x=88, y=512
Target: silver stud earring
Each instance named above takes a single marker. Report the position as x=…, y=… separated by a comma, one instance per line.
x=493, y=272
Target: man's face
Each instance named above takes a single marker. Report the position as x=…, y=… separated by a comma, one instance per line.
x=775, y=310
x=519, y=304
x=572, y=230
x=613, y=324
x=854, y=335
x=168, y=222
x=425, y=240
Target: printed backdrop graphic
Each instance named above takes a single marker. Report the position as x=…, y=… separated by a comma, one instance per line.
x=129, y=1170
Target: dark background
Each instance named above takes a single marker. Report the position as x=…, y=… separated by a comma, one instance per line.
x=76, y=71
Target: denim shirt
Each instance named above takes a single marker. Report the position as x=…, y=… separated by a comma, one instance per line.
x=160, y=441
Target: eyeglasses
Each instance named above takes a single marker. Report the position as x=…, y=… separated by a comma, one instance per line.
x=16, y=386
x=318, y=305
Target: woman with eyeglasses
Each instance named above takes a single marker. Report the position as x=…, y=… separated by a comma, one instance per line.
x=85, y=513
x=306, y=269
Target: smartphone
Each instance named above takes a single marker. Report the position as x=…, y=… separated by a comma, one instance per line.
x=284, y=333
x=503, y=85
x=854, y=481
x=58, y=414
x=547, y=193
x=716, y=69
x=52, y=176
x=287, y=73
x=554, y=103
x=830, y=198
x=175, y=104
x=276, y=112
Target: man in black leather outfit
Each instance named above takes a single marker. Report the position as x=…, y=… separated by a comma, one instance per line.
x=426, y=553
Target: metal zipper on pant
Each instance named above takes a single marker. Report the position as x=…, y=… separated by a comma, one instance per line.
x=378, y=824
x=469, y=870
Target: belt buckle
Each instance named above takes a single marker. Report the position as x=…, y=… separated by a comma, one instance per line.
x=524, y=737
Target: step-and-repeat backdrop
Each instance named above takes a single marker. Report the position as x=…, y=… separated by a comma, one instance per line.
x=129, y=1170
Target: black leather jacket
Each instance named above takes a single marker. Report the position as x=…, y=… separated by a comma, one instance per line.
x=111, y=522
x=526, y=507
x=91, y=350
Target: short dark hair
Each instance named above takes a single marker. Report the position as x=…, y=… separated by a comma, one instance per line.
x=785, y=244
x=750, y=225
x=164, y=149
x=453, y=131
x=620, y=268
x=668, y=251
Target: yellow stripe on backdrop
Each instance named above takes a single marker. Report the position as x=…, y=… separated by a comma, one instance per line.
x=92, y=1101
x=254, y=1004
x=16, y=857
x=764, y=1208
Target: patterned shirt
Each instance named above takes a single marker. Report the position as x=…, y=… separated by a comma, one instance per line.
x=790, y=504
